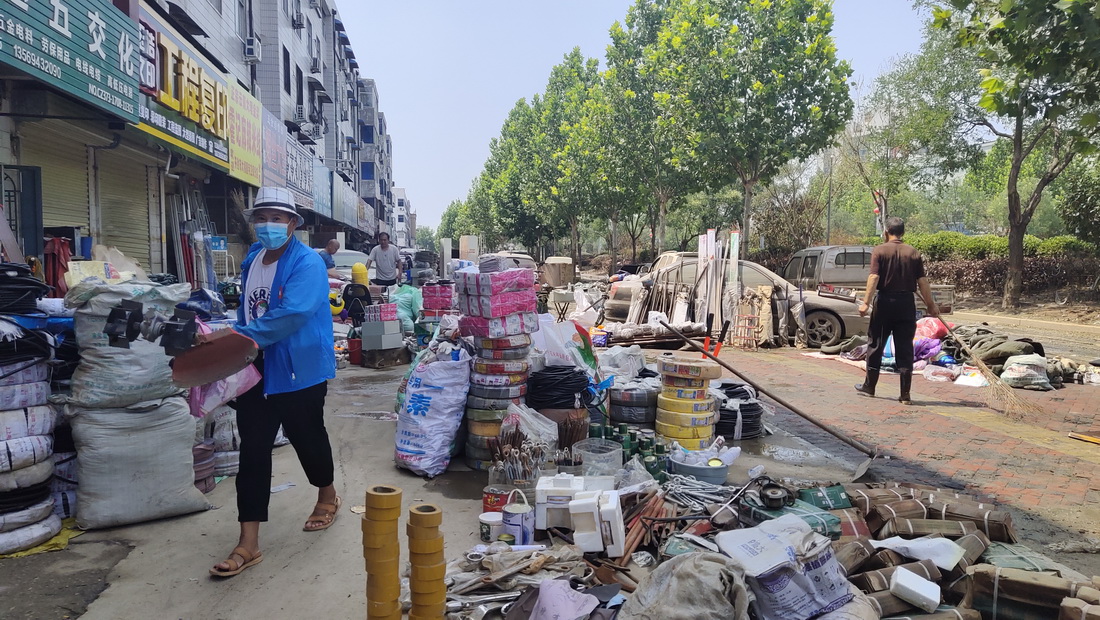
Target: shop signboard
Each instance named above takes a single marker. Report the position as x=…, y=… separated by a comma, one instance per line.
x=274, y=153
x=322, y=189
x=299, y=173
x=346, y=204
x=245, y=135
x=85, y=48
x=185, y=100
x=366, y=218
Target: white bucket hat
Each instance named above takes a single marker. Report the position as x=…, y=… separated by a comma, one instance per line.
x=278, y=198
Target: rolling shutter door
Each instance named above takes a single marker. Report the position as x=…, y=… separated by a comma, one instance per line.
x=64, y=166
x=124, y=205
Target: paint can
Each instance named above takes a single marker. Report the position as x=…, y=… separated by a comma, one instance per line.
x=491, y=524
x=519, y=519
x=495, y=496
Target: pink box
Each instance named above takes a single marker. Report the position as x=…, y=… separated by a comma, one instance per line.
x=511, y=325
x=496, y=283
x=501, y=304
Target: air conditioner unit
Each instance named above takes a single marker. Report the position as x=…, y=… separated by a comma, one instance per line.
x=252, y=51
x=300, y=114
x=298, y=21
x=315, y=65
x=316, y=132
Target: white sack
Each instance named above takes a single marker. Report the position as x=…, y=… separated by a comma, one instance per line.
x=435, y=401
x=226, y=436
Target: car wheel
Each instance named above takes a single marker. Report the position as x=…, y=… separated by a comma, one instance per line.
x=823, y=329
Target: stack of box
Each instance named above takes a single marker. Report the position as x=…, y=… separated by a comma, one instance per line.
x=498, y=304
x=380, y=335
x=685, y=410
x=382, y=552
x=439, y=301
x=380, y=312
x=428, y=566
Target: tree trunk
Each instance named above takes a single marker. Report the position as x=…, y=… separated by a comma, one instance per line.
x=575, y=235
x=1014, y=279
x=662, y=215
x=612, y=246
x=745, y=216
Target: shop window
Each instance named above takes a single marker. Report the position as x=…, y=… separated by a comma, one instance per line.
x=286, y=70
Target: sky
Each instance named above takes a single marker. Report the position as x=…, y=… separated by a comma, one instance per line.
x=448, y=72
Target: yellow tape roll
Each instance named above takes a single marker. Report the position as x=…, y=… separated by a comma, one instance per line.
x=684, y=432
x=426, y=545
x=435, y=572
x=383, y=496
x=376, y=528
x=684, y=382
x=685, y=393
x=693, y=444
x=425, y=515
x=421, y=533
x=382, y=514
x=383, y=588
x=684, y=405
x=483, y=429
x=673, y=418
x=679, y=366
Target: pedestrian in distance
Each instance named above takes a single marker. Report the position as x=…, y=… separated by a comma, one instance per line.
x=897, y=272
x=386, y=259
x=285, y=311
x=327, y=253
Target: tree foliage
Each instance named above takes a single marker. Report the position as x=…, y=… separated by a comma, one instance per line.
x=1079, y=199
x=425, y=238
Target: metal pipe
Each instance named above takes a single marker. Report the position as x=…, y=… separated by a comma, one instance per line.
x=809, y=418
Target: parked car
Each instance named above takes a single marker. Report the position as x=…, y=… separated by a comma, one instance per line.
x=344, y=260
x=847, y=267
x=828, y=320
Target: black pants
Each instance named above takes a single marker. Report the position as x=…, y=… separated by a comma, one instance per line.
x=895, y=314
x=378, y=282
x=302, y=416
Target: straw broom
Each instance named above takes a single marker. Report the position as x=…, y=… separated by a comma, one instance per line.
x=997, y=394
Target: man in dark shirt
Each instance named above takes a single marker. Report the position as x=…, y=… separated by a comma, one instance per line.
x=897, y=272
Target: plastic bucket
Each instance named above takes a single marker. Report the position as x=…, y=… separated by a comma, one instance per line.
x=702, y=473
x=600, y=457
x=495, y=496
x=355, y=351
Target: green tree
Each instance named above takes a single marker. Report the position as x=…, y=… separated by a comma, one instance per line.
x=456, y=222
x=793, y=208
x=425, y=238
x=1038, y=82
x=758, y=84
x=1079, y=198
x=701, y=211
x=660, y=148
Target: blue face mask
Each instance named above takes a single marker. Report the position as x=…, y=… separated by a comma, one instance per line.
x=272, y=235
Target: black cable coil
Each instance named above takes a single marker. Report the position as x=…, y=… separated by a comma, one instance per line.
x=744, y=403
x=557, y=387
x=19, y=290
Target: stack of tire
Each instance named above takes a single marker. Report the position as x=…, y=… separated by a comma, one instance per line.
x=633, y=403
x=382, y=552
x=499, y=379
x=685, y=410
x=428, y=568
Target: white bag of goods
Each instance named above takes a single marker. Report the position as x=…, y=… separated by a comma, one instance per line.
x=134, y=465
x=226, y=436
x=24, y=395
x=28, y=516
x=227, y=463
x=25, y=451
x=790, y=568
x=26, y=477
x=25, y=422
x=1026, y=371
x=112, y=376
x=435, y=399
x=30, y=536
x=19, y=372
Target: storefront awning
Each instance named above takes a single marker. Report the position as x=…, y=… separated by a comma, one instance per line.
x=177, y=13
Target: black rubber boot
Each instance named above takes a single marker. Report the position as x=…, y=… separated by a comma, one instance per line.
x=906, y=380
x=867, y=388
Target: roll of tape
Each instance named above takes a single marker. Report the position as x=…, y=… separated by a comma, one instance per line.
x=426, y=559
x=379, y=541
x=678, y=366
x=383, y=588
x=382, y=514
x=684, y=405
x=434, y=572
x=381, y=567
x=383, y=496
x=673, y=418
x=430, y=598
x=426, y=587
x=425, y=515
x=483, y=429
x=693, y=444
x=684, y=432
x=413, y=531
x=428, y=612
x=423, y=546
x=377, y=528
x=501, y=367
x=684, y=382
x=383, y=608
x=509, y=342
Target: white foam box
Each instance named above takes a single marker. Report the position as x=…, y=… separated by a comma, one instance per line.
x=612, y=527
x=380, y=328
x=382, y=342
x=915, y=590
x=584, y=511
x=552, y=497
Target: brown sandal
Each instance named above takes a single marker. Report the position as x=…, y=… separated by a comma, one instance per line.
x=249, y=561
x=326, y=517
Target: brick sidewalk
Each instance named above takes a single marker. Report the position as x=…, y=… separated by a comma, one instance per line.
x=948, y=438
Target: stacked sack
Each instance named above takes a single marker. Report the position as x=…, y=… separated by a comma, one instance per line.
x=227, y=442
x=127, y=416
x=685, y=409
x=26, y=421
x=499, y=379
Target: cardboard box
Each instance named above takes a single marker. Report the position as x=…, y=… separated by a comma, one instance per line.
x=383, y=341
x=380, y=328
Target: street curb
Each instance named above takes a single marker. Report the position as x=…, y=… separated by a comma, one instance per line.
x=1012, y=321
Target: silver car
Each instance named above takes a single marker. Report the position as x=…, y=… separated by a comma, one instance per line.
x=828, y=320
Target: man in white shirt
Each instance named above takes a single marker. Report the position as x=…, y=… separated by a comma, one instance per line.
x=385, y=258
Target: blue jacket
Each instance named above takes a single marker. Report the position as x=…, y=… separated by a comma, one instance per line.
x=295, y=332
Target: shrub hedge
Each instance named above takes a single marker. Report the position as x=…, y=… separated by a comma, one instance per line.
x=951, y=246
x=1041, y=273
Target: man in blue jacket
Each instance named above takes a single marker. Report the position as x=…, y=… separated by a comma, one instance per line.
x=284, y=308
